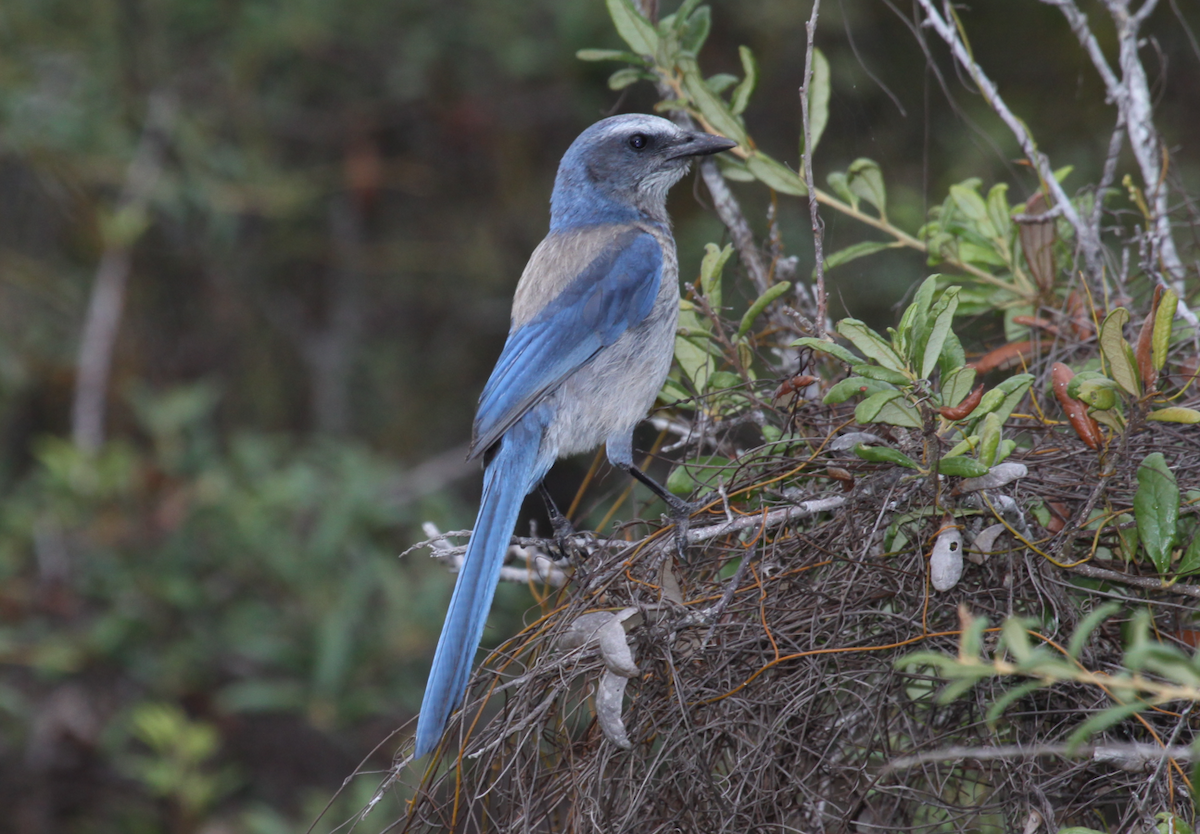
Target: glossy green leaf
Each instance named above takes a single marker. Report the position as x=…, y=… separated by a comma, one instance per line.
x=852, y=387
x=825, y=346
x=775, y=175
x=1164, y=318
x=760, y=304
x=869, y=343
x=962, y=467
x=865, y=179
x=1175, y=414
x=1118, y=353
x=1156, y=508
x=884, y=454
x=741, y=93
x=633, y=28
x=818, y=97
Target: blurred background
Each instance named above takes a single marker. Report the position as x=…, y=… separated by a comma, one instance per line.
x=310, y=217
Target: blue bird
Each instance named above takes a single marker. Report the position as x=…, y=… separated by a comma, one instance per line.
x=591, y=341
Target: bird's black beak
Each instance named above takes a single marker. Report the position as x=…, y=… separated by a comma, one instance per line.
x=700, y=144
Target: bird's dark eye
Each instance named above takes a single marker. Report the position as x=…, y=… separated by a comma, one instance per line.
x=637, y=141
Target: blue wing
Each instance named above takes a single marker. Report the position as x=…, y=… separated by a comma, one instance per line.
x=610, y=295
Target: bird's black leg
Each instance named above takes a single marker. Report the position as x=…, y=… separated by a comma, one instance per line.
x=681, y=511
x=563, y=529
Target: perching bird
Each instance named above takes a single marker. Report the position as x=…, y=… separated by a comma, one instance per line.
x=591, y=341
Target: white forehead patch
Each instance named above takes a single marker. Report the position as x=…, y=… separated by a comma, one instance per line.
x=639, y=122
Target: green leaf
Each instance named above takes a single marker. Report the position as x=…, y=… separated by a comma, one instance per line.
x=623, y=78
x=884, y=454
x=956, y=385
x=869, y=409
x=858, y=250
x=825, y=346
x=775, y=175
x=741, y=93
x=989, y=439
x=1190, y=563
x=1103, y=720
x=1117, y=351
x=865, y=179
x=841, y=186
x=818, y=97
x=711, y=267
x=734, y=169
x=633, y=28
x=695, y=360
x=720, y=82
x=967, y=444
x=899, y=413
x=1089, y=624
x=712, y=106
x=1011, y=697
x=952, y=357
x=881, y=373
x=760, y=304
x=870, y=344
x=997, y=208
x=695, y=30
x=962, y=467
x=914, y=324
x=1014, y=389
x=1175, y=414
x=942, y=317
x=608, y=55
x=1094, y=389
x=1156, y=508
x=1164, y=317
x=702, y=472
x=852, y=387
x=971, y=206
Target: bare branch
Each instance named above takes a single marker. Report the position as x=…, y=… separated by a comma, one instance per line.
x=1089, y=242
x=103, y=319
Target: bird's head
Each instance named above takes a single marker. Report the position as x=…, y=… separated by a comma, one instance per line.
x=623, y=166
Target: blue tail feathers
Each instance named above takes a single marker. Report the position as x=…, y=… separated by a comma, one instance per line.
x=514, y=471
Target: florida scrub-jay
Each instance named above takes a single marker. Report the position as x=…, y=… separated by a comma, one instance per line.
x=591, y=341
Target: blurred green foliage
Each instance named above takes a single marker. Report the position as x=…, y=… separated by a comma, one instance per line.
x=318, y=288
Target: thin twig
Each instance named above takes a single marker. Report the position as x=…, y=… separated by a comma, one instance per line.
x=818, y=225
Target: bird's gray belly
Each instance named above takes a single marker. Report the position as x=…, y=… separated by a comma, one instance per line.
x=612, y=393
